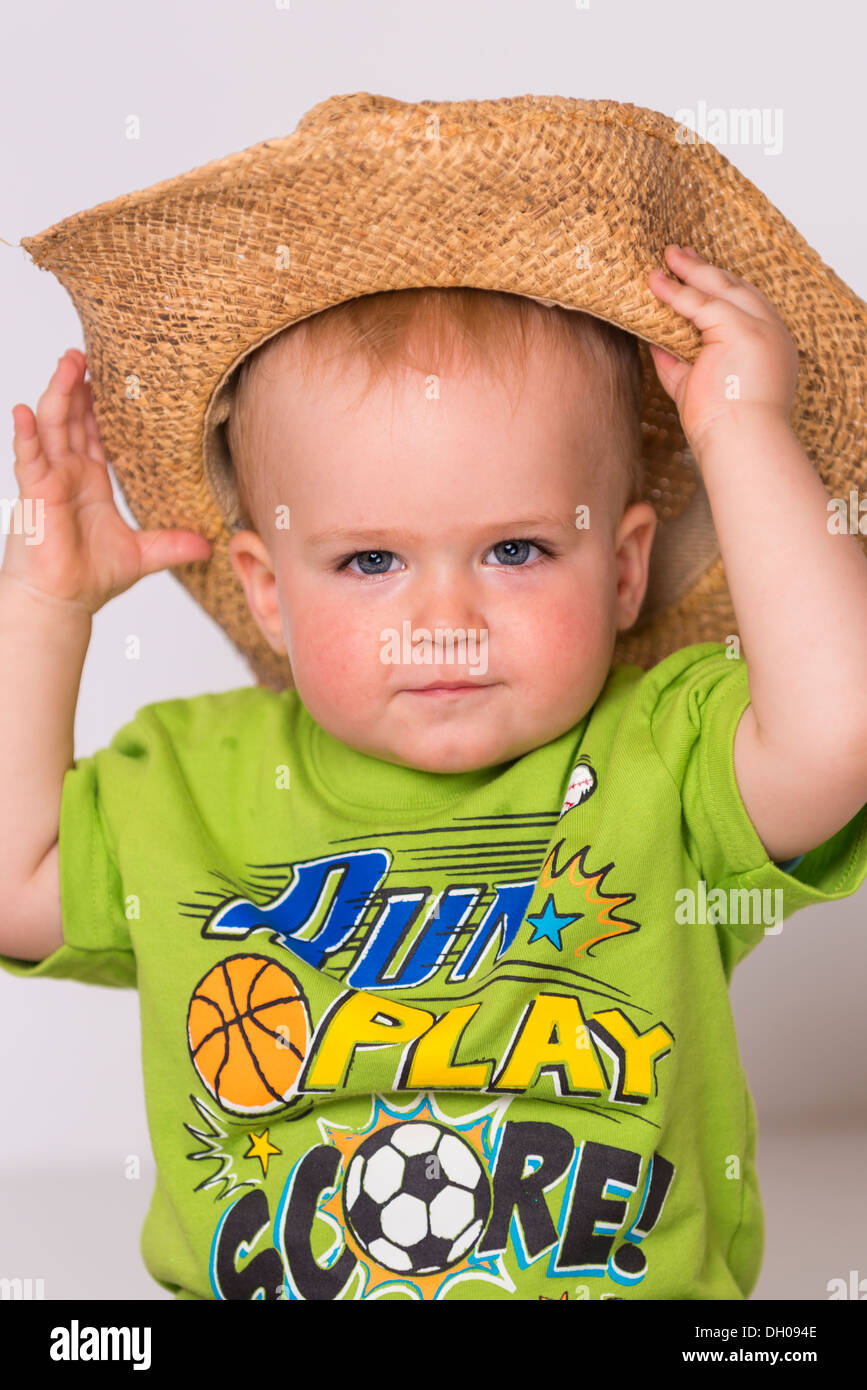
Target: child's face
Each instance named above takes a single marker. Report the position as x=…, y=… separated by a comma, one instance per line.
x=443, y=484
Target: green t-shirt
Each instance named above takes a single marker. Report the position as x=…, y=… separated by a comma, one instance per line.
x=420, y=1035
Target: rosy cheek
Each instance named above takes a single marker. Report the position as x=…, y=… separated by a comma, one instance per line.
x=325, y=642
x=564, y=624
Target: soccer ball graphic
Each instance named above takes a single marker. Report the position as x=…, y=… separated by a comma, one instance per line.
x=410, y=1214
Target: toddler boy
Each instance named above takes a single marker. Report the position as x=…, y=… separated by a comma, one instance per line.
x=432, y=949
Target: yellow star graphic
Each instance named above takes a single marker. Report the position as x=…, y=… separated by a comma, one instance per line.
x=261, y=1148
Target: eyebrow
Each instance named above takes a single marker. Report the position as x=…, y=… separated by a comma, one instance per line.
x=500, y=528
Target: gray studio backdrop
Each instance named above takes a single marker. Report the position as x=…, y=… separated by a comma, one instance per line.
x=207, y=79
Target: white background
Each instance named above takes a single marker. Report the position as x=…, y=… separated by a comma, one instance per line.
x=209, y=79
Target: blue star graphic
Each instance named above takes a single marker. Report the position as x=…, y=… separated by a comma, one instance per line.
x=549, y=923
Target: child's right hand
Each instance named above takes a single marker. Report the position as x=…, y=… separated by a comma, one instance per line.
x=87, y=553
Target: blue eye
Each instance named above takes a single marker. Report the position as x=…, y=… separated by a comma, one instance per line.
x=512, y=554
x=515, y=552
x=378, y=561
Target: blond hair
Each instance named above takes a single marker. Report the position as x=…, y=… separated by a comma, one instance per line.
x=497, y=326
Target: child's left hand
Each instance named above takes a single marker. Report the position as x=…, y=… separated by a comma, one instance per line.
x=748, y=357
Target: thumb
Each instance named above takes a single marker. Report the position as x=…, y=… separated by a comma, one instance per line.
x=671, y=371
x=162, y=549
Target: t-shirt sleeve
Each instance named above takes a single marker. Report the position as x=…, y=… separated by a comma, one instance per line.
x=97, y=947
x=696, y=705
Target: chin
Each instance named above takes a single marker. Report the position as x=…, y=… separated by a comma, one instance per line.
x=455, y=759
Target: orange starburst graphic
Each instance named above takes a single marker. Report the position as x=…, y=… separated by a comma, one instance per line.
x=597, y=924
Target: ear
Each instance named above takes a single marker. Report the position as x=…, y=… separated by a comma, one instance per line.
x=632, y=543
x=255, y=570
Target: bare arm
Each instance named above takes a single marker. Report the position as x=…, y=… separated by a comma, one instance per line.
x=70, y=552
x=42, y=650
x=800, y=593
x=799, y=589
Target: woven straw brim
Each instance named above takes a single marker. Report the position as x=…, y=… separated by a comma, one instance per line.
x=569, y=202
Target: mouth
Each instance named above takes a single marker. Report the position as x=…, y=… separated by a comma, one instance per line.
x=445, y=689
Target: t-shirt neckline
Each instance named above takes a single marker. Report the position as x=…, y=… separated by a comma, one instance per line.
x=354, y=778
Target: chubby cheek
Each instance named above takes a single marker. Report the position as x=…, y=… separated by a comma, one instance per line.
x=335, y=660
x=556, y=648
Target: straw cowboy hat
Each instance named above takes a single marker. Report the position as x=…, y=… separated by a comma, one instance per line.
x=569, y=202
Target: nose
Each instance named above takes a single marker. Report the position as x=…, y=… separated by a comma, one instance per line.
x=448, y=598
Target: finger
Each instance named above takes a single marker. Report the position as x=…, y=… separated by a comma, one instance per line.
x=715, y=280
x=52, y=411
x=163, y=549
x=736, y=280
x=28, y=449
x=703, y=310
x=670, y=370
x=662, y=356
x=95, y=450
x=77, y=432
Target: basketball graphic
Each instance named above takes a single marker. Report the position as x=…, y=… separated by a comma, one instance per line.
x=248, y=1028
